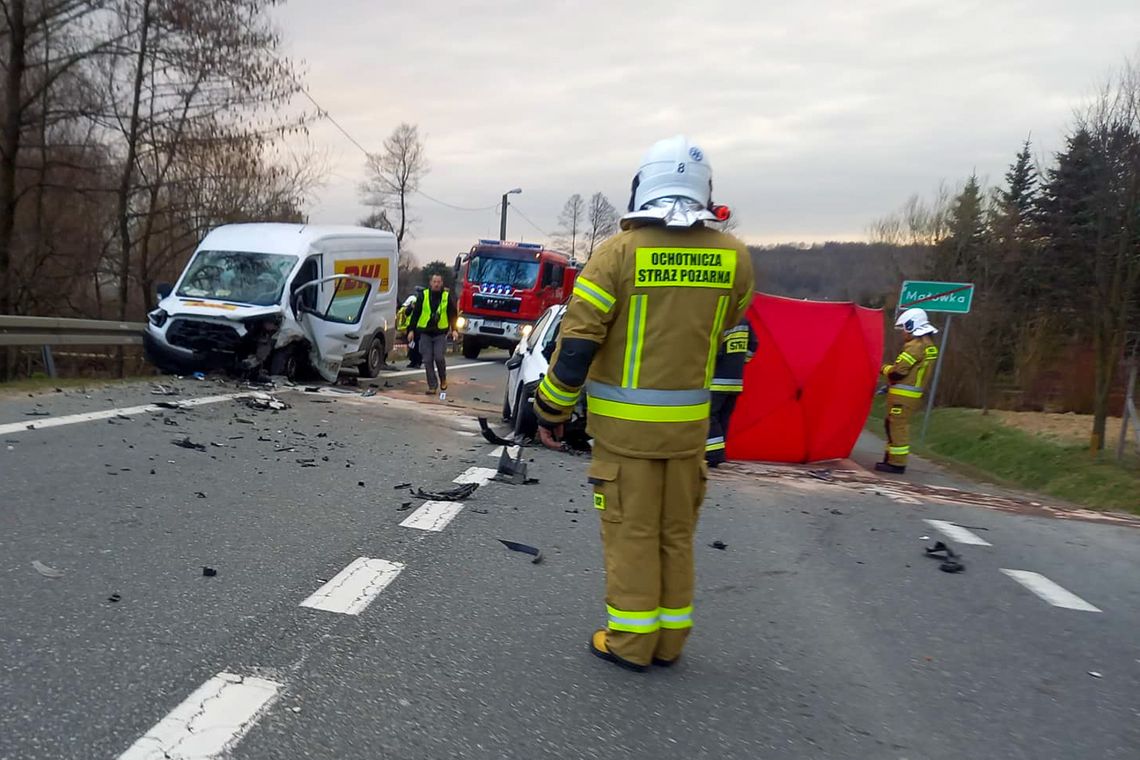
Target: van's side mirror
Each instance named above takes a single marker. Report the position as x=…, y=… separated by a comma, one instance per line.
x=164, y=289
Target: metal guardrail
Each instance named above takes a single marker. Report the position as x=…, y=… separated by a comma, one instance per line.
x=54, y=331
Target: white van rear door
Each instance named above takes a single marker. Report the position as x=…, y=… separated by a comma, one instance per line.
x=330, y=312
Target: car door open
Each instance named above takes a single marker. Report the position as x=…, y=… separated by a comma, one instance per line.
x=329, y=311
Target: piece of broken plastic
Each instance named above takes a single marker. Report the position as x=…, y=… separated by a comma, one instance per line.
x=45, y=570
x=491, y=436
x=459, y=493
x=186, y=443
x=524, y=548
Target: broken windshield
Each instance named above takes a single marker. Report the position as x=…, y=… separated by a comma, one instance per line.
x=241, y=276
x=489, y=270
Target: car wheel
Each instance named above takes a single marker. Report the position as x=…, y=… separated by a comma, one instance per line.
x=284, y=361
x=373, y=358
x=471, y=348
x=526, y=421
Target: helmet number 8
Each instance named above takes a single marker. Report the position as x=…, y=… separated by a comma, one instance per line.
x=681, y=168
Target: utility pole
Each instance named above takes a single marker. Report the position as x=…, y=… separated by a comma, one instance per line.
x=503, y=218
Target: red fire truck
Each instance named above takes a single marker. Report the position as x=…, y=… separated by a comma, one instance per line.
x=504, y=287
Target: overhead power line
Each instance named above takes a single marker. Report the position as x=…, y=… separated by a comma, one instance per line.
x=323, y=113
x=526, y=218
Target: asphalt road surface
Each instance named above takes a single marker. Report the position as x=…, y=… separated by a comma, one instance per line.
x=350, y=619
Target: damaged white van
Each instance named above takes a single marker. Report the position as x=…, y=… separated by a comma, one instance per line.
x=279, y=298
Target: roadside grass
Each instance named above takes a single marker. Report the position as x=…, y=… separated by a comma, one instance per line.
x=981, y=446
x=40, y=382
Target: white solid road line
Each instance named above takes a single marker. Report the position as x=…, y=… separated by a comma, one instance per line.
x=478, y=475
x=512, y=450
x=352, y=589
x=209, y=722
x=957, y=533
x=433, y=515
x=450, y=367
x=39, y=423
x=1050, y=591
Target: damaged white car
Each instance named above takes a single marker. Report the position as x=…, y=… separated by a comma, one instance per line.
x=279, y=298
x=525, y=370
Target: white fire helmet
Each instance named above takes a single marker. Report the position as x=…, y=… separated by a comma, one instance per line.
x=672, y=168
x=915, y=322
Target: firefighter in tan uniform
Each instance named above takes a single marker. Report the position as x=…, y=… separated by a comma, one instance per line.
x=640, y=338
x=907, y=380
x=727, y=384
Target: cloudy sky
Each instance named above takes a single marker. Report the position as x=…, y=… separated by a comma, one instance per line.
x=817, y=116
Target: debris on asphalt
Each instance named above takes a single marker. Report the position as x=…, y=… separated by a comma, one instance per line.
x=491, y=436
x=479, y=511
x=404, y=507
x=114, y=597
x=524, y=548
x=459, y=493
x=243, y=420
x=512, y=471
x=170, y=421
x=718, y=544
x=401, y=485
x=186, y=443
x=360, y=483
x=200, y=494
x=951, y=562
x=265, y=402
x=169, y=405
x=836, y=512
x=37, y=413
x=820, y=474
x=157, y=389
x=199, y=376
x=45, y=570
x=1095, y=674
x=312, y=389
x=209, y=572
x=369, y=393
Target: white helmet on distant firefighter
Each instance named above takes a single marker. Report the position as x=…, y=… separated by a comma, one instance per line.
x=673, y=184
x=915, y=322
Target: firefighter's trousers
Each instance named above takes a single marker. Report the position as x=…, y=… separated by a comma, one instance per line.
x=719, y=415
x=899, y=413
x=648, y=510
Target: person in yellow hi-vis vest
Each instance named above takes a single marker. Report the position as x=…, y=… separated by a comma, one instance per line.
x=640, y=335
x=907, y=381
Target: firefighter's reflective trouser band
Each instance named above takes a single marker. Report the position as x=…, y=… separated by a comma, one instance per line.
x=898, y=431
x=648, y=510
x=719, y=415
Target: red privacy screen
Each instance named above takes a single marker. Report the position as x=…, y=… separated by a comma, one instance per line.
x=808, y=390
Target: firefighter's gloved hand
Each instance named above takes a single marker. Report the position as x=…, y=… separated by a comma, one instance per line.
x=550, y=435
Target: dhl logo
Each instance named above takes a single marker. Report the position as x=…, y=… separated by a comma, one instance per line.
x=365, y=269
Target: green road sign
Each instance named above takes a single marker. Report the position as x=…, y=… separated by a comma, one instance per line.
x=948, y=297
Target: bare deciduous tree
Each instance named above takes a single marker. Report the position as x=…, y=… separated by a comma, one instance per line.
x=395, y=174
x=568, y=236
x=602, y=220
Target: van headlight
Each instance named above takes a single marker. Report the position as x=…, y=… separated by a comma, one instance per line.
x=157, y=317
x=460, y=323
x=526, y=330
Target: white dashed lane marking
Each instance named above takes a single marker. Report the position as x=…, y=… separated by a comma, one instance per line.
x=209, y=722
x=352, y=589
x=477, y=475
x=1050, y=591
x=39, y=423
x=433, y=515
x=957, y=533
x=513, y=451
